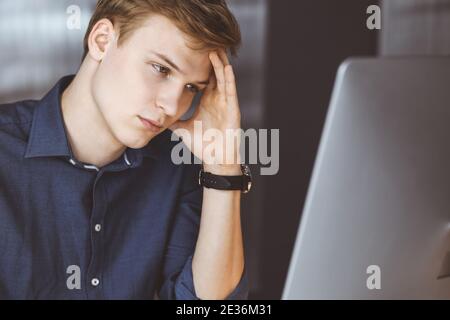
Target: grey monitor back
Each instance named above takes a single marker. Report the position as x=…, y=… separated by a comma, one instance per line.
x=376, y=221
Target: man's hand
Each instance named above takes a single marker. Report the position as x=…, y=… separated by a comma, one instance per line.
x=219, y=110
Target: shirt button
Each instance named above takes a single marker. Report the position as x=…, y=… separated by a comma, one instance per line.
x=95, y=282
x=98, y=227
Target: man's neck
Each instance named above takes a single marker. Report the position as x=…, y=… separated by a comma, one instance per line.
x=90, y=138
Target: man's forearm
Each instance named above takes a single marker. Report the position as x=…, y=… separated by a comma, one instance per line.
x=218, y=260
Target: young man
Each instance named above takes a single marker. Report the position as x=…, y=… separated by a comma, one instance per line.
x=91, y=204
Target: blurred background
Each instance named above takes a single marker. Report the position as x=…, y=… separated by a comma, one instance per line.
x=285, y=73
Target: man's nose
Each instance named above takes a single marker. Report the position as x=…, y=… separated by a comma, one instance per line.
x=170, y=99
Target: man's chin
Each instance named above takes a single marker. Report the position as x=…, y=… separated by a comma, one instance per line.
x=140, y=142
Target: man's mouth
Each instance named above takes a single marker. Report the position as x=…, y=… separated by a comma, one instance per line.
x=151, y=125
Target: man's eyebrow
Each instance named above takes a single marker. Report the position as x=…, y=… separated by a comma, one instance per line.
x=173, y=65
x=168, y=61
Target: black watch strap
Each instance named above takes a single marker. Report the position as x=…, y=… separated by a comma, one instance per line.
x=241, y=182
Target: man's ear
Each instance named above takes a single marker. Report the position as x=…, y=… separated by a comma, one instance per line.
x=101, y=37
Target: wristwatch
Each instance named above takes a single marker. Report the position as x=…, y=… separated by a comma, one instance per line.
x=242, y=182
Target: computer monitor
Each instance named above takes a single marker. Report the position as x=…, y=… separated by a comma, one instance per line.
x=376, y=221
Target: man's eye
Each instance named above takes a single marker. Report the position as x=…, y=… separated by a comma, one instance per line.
x=192, y=88
x=161, y=69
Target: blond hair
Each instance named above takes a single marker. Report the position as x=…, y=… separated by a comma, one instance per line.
x=208, y=23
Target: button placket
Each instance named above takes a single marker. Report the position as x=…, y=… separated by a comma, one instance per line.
x=94, y=272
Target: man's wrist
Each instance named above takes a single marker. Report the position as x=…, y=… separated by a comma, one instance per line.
x=223, y=170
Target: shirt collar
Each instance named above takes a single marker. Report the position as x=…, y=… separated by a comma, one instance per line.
x=48, y=136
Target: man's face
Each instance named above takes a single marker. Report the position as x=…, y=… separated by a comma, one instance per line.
x=152, y=75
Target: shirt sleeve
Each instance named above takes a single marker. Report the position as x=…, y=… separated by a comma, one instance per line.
x=177, y=279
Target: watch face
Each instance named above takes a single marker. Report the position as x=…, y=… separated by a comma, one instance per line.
x=246, y=171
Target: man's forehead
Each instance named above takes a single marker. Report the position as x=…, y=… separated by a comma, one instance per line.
x=169, y=41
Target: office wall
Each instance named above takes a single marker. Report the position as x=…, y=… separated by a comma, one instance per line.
x=307, y=41
x=415, y=27
x=37, y=47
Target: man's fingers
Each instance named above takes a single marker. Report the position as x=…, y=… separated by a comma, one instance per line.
x=218, y=71
x=230, y=81
x=230, y=87
x=224, y=76
x=224, y=57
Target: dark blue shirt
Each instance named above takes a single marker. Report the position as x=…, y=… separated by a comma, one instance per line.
x=70, y=230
